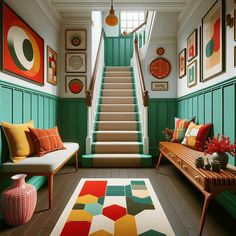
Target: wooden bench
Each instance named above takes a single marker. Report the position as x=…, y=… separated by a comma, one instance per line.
x=208, y=182
x=47, y=165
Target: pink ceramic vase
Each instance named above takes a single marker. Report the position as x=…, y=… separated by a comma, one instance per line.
x=18, y=201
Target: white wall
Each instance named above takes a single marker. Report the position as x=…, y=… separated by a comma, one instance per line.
x=87, y=25
x=111, y=31
x=163, y=35
x=96, y=32
x=186, y=28
x=34, y=16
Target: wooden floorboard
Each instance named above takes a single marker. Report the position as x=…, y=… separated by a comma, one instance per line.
x=181, y=202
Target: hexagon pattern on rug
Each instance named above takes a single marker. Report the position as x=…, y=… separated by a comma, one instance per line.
x=114, y=212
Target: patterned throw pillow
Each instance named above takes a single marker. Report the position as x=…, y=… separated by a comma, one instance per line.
x=19, y=140
x=46, y=140
x=180, y=129
x=196, y=135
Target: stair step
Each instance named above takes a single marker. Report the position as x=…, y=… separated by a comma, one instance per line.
x=117, y=108
x=117, y=160
x=117, y=125
x=118, y=100
x=118, y=80
x=114, y=116
x=117, y=136
x=117, y=147
x=118, y=86
x=118, y=73
x=118, y=68
x=117, y=93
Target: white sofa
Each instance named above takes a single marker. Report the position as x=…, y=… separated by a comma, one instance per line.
x=47, y=165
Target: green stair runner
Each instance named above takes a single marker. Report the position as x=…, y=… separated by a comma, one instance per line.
x=117, y=136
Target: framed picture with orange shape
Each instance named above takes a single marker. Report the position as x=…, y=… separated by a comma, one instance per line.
x=213, y=41
x=182, y=63
x=22, y=48
x=192, y=45
x=75, y=86
x=52, y=66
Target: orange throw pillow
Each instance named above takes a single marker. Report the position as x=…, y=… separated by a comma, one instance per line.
x=46, y=140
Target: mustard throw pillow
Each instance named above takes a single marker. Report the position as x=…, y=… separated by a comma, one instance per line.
x=19, y=140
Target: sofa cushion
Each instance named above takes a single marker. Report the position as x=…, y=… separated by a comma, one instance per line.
x=19, y=140
x=46, y=140
x=47, y=163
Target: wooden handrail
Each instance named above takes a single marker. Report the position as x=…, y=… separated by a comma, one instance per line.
x=143, y=88
x=140, y=26
x=89, y=93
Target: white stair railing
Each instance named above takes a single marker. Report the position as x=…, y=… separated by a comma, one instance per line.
x=92, y=95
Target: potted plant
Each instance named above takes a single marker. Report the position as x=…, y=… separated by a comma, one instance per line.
x=219, y=148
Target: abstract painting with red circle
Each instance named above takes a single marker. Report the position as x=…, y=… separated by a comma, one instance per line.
x=23, y=48
x=213, y=41
x=75, y=86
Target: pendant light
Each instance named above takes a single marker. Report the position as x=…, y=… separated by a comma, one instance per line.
x=111, y=19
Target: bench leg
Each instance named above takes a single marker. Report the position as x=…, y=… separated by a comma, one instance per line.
x=76, y=161
x=50, y=190
x=208, y=197
x=159, y=161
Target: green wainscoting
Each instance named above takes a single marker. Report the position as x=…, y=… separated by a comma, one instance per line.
x=73, y=121
x=216, y=105
x=161, y=115
x=118, y=50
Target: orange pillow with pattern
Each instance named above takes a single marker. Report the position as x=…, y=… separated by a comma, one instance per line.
x=46, y=140
x=196, y=136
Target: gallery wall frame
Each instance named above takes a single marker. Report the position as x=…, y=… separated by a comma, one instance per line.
x=22, y=53
x=75, y=62
x=76, y=39
x=182, y=63
x=75, y=85
x=52, y=66
x=192, y=44
x=192, y=74
x=159, y=86
x=213, y=45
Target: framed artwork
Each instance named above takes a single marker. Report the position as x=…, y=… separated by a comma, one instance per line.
x=235, y=25
x=192, y=74
x=76, y=62
x=182, y=63
x=22, y=48
x=192, y=45
x=75, y=86
x=52, y=65
x=159, y=86
x=76, y=39
x=213, y=41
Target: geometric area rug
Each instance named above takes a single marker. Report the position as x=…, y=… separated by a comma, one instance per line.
x=113, y=207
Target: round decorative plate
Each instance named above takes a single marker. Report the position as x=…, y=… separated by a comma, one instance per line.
x=160, y=68
x=160, y=51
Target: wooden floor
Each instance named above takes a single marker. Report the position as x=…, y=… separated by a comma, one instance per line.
x=181, y=202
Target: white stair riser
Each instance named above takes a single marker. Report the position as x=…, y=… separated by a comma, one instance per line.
x=115, y=126
x=116, y=117
x=132, y=148
x=114, y=137
x=118, y=108
x=117, y=93
x=118, y=68
x=121, y=100
x=117, y=86
x=118, y=74
x=117, y=80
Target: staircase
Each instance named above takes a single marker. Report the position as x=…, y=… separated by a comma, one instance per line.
x=117, y=136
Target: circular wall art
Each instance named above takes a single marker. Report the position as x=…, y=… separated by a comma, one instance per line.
x=75, y=86
x=75, y=41
x=160, y=51
x=160, y=68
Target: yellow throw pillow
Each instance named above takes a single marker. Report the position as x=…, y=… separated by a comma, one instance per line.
x=19, y=140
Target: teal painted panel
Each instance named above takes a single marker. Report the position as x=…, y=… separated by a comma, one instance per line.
x=128, y=49
x=200, y=114
x=52, y=113
x=185, y=109
x=217, y=111
x=122, y=52
x=195, y=108
x=189, y=115
x=41, y=112
x=7, y=104
x=172, y=111
x=34, y=109
x=108, y=52
x=46, y=113
x=208, y=107
x=229, y=115
x=152, y=123
x=116, y=51
x=26, y=107
x=17, y=107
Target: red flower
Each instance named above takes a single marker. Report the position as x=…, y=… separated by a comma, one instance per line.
x=220, y=146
